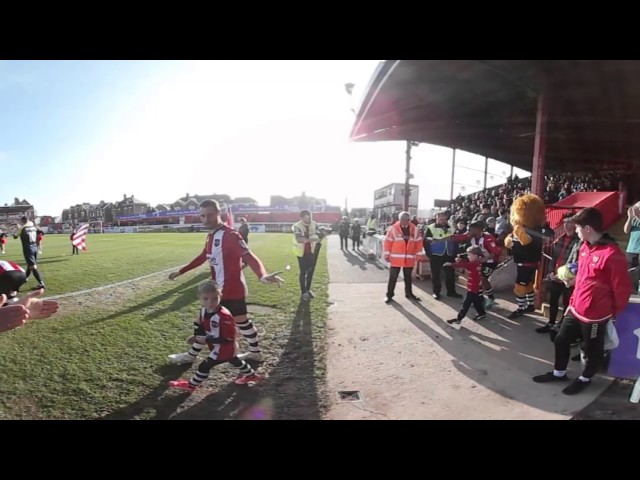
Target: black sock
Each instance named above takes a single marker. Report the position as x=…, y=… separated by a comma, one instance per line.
x=36, y=274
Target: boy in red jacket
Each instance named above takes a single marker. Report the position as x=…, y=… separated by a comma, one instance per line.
x=474, y=284
x=602, y=290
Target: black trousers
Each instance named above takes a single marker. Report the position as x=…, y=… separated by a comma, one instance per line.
x=11, y=281
x=436, y=273
x=356, y=242
x=475, y=299
x=592, y=343
x=206, y=366
x=307, y=265
x=393, y=278
x=557, y=290
x=344, y=242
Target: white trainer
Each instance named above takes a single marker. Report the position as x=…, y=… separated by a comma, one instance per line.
x=255, y=356
x=181, y=358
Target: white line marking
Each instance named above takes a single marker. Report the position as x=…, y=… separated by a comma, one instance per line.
x=104, y=287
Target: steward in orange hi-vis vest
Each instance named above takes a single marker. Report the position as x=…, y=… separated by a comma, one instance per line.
x=400, y=249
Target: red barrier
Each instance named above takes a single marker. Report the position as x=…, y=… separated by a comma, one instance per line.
x=607, y=202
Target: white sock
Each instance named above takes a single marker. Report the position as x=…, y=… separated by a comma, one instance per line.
x=584, y=379
x=559, y=373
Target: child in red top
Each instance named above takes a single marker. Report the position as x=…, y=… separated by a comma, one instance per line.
x=474, y=284
x=216, y=328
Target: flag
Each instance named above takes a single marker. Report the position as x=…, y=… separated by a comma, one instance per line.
x=80, y=236
x=229, y=221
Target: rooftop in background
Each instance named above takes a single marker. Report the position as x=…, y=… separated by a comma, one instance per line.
x=488, y=107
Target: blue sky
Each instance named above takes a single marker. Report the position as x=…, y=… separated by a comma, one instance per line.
x=76, y=131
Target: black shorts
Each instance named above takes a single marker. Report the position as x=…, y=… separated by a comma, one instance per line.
x=525, y=275
x=488, y=268
x=11, y=281
x=31, y=256
x=236, y=307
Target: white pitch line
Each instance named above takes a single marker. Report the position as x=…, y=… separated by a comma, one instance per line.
x=104, y=287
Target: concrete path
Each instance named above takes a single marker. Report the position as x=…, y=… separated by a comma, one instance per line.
x=408, y=363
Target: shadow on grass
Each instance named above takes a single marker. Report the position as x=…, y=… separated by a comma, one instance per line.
x=186, y=294
x=163, y=409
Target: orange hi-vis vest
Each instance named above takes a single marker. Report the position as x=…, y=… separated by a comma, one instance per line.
x=402, y=252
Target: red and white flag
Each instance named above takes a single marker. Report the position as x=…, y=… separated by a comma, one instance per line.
x=80, y=237
x=229, y=221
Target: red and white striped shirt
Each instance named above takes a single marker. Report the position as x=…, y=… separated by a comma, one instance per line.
x=224, y=250
x=219, y=325
x=6, y=266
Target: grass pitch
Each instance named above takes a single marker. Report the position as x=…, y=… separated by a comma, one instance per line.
x=104, y=354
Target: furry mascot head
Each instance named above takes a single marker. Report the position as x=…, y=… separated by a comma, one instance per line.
x=527, y=214
x=527, y=211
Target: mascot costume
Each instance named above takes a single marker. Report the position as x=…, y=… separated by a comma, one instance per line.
x=525, y=242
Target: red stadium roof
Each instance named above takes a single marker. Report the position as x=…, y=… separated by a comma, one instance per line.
x=489, y=107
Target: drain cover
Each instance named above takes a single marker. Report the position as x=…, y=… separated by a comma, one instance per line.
x=350, y=396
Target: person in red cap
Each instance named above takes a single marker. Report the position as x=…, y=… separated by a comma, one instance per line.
x=602, y=291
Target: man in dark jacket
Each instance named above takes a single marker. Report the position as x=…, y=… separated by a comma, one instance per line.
x=244, y=230
x=562, y=248
x=343, y=231
x=602, y=290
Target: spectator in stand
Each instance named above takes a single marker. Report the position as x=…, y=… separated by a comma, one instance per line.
x=562, y=249
x=461, y=229
x=500, y=198
x=502, y=223
x=491, y=227
x=485, y=213
x=632, y=227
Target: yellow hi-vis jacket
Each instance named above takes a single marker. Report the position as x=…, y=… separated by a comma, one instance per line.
x=298, y=228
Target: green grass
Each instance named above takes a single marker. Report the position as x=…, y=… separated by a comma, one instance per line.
x=109, y=258
x=104, y=354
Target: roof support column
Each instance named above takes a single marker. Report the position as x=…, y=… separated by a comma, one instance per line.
x=486, y=167
x=407, y=178
x=540, y=147
x=453, y=171
x=537, y=176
